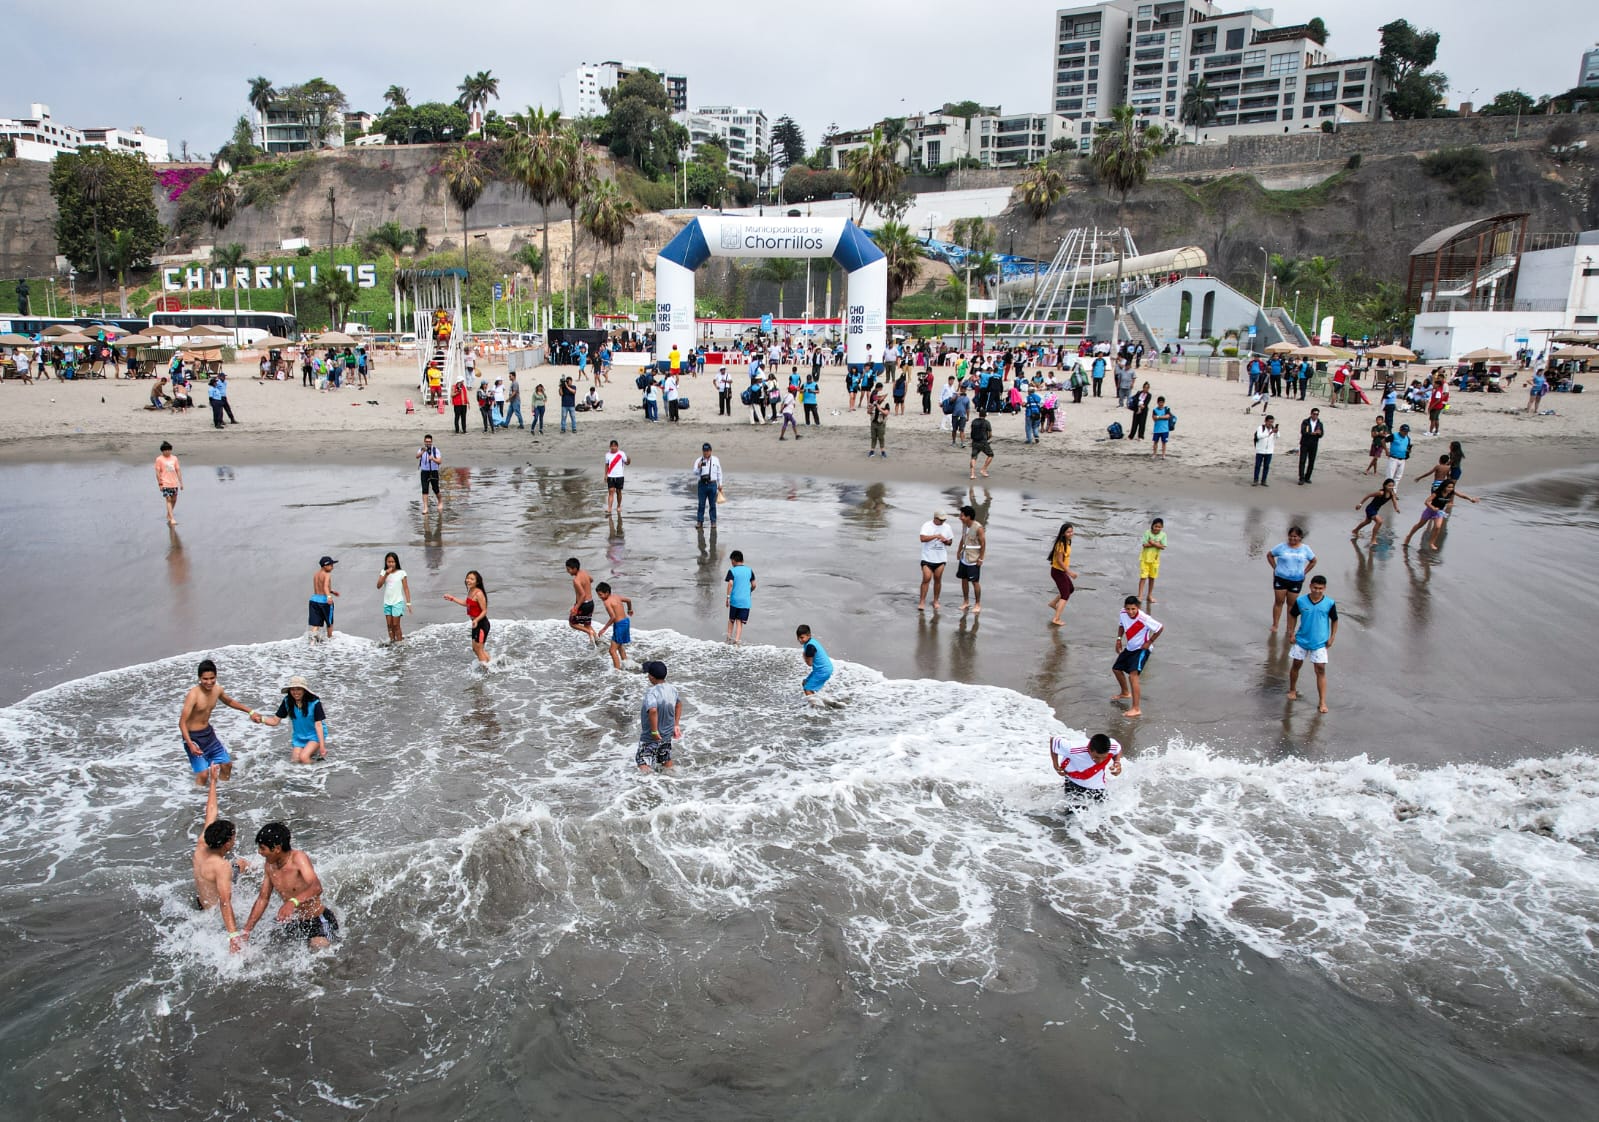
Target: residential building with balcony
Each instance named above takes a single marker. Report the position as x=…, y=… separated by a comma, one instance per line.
x=742, y=130
x=1263, y=78
x=40, y=136
x=284, y=128
x=582, y=89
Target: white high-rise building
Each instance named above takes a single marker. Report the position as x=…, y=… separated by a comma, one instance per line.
x=1263, y=78
x=582, y=89
x=40, y=136
x=1588, y=75
x=742, y=130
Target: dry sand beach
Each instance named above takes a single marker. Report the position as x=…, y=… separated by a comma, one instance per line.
x=1211, y=447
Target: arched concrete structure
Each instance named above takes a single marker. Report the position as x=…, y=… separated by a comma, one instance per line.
x=717, y=235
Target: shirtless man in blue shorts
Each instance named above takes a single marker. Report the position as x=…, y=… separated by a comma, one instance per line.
x=194, y=722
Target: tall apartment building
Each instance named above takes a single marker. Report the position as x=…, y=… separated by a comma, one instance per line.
x=1588, y=75
x=41, y=137
x=285, y=128
x=1264, y=78
x=742, y=130
x=582, y=90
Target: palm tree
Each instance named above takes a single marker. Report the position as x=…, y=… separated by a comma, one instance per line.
x=904, y=254
x=93, y=176
x=1285, y=273
x=1124, y=152
x=219, y=196
x=981, y=267
x=261, y=97
x=1041, y=190
x=607, y=216
x=762, y=161
x=398, y=97
x=476, y=89
x=390, y=238
x=975, y=235
x=894, y=134
x=1318, y=277
x=535, y=160
x=874, y=172
x=465, y=177
x=579, y=176
x=232, y=258
x=122, y=253
x=1199, y=105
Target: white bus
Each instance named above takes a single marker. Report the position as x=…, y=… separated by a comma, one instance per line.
x=247, y=326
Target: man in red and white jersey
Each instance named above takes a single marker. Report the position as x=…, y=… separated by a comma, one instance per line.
x=1085, y=766
x=616, y=462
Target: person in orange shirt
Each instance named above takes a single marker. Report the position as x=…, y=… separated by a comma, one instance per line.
x=168, y=477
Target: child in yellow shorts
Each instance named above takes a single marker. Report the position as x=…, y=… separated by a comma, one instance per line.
x=1154, y=544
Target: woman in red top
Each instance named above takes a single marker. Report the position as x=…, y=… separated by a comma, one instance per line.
x=458, y=398
x=476, y=603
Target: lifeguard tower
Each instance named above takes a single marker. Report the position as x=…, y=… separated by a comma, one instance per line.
x=436, y=318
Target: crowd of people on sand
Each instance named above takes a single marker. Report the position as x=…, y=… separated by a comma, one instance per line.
x=978, y=388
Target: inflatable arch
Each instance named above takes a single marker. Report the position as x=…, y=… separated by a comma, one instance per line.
x=726, y=235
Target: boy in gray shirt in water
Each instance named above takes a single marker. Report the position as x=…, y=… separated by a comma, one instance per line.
x=660, y=719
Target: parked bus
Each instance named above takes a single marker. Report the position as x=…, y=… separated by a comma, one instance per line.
x=247, y=326
x=34, y=325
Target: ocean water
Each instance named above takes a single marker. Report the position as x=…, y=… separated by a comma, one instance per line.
x=870, y=909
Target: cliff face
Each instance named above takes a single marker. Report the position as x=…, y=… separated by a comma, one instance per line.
x=1369, y=217
x=27, y=219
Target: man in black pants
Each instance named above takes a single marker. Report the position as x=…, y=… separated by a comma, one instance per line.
x=1140, y=407
x=1310, y=434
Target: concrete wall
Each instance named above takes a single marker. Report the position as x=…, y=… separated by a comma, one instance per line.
x=964, y=178
x=1161, y=312
x=1382, y=138
x=1445, y=336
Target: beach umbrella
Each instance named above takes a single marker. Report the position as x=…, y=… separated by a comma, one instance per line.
x=1316, y=354
x=1281, y=348
x=58, y=329
x=72, y=339
x=198, y=345
x=12, y=339
x=1575, y=352
x=1485, y=354
x=1394, y=351
x=211, y=330
x=108, y=328
x=273, y=341
x=135, y=341
x=160, y=331
x=333, y=339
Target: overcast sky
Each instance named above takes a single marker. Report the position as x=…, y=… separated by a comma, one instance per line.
x=180, y=69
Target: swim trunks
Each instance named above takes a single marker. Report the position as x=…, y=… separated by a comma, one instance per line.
x=584, y=613
x=212, y=750
x=933, y=566
x=169, y=492
x=1294, y=586
x=622, y=632
x=1299, y=654
x=816, y=679
x=1373, y=508
x=430, y=479
x=1131, y=662
x=321, y=613
x=963, y=571
x=614, y=482
x=324, y=926
x=653, y=752
x=1148, y=570
x=982, y=448
x=738, y=615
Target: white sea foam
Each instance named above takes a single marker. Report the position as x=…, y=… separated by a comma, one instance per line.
x=499, y=815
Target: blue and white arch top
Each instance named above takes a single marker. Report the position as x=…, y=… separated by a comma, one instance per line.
x=718, y=235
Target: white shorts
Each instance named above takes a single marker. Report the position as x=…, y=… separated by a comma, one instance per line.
x=1299, y=654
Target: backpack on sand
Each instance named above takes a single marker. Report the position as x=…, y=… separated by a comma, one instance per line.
x=1115, y=430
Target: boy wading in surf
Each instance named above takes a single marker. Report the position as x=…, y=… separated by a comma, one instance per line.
x=214, y=864
x=1084, y=767
x=194, y=722
x=321, y=610
x=660, y=720
x=289, y=873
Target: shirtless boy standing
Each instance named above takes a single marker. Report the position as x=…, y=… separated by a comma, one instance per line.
x=194, y=722
x=581, y=617
x=321, y=612
x=618, y=609
x=290, y=875
x=214, y=864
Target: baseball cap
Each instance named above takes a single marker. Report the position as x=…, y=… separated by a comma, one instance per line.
x=656, y=669
x=705, y=447
x=326, y=560
x=940, y=514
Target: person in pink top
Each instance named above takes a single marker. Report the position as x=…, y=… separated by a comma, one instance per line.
x=168, y=477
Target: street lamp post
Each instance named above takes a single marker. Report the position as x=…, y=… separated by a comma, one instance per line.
x=588, y=286
x=1265, y=270
x=1296, y=305
x=634, y=285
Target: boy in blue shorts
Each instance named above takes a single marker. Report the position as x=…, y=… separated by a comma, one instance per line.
x=740, y=585
x=617, y=610
x=200, y=740
x=816, y=658
x=309, y=722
